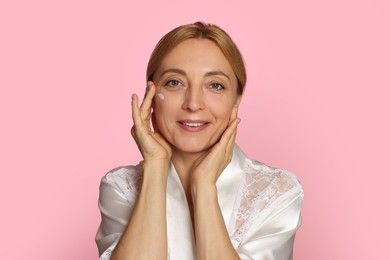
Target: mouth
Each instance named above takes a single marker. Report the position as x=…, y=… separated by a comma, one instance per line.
x=193, y=126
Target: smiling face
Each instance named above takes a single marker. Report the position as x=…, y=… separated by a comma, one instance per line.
x=200, y=91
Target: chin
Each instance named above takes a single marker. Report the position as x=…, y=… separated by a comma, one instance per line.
x=192, y=147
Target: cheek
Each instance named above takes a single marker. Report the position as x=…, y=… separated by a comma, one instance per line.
x=160, y=96
x=161, y=105
x=222, y=110
x=167, y=102
x=164, y=110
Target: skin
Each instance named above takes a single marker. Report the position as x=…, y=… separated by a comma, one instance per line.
x=199, y=86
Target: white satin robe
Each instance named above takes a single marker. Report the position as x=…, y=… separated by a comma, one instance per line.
x=260, y=206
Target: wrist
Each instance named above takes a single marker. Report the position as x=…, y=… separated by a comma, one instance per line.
x=206, y=190
x=156, y=168
x=155, y=164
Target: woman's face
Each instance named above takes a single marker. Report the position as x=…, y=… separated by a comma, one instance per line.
x=196, y=93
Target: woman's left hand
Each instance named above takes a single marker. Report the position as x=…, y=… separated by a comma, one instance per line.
x=209, y=167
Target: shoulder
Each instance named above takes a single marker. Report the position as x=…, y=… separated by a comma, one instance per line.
x=124, y=172
x=262, y=182
x=260, y=176
x=127, y=180
x=273, y=181
x=265, y=192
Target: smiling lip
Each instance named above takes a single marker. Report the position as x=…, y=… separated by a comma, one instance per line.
x=193, y=125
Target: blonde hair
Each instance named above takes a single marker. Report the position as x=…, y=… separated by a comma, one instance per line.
x=199, y=30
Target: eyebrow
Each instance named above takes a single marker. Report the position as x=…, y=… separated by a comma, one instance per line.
x=207, y=74
x=178, y=71
x=217, y=73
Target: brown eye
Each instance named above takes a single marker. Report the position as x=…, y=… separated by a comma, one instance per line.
x=173, y=83
x=216, y=86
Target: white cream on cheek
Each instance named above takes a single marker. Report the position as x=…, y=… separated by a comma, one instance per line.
x=160, y=96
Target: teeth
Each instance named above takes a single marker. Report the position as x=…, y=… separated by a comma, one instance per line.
x=193, y=124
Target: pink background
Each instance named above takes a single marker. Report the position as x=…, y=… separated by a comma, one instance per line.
x=317, y=103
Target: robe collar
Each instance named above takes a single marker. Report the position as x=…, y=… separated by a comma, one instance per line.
x=227, y=186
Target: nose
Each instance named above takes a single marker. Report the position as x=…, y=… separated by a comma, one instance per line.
x=193, y=99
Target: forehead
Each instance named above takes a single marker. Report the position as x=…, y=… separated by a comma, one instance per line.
x=197, y=55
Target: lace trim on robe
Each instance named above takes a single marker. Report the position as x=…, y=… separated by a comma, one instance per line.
x=128, y=182
x=261, y=186
x=106, y=255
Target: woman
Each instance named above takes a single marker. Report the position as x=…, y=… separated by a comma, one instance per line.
x=195, y=195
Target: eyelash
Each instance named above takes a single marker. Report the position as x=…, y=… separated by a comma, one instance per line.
x=176, y=83
x=217, y=86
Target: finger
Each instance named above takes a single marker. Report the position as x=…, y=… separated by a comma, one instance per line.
x=146, y=91
x=234, y=113
x=135, y=110
x=232, y=139
x=229, y=132
x=154, y=123
x=137, y=121
x=228, y=142
x=141, y=114
x=132, y=132
x=147, y=102
x=232, y=132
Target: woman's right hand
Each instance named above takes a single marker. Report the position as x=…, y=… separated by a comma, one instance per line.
x=152, y=145
x=145, y=236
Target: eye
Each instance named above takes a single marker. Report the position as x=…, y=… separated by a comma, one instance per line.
x=173, y=83
x=216, y=86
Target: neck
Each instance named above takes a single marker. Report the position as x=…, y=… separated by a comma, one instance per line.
x=183, y=163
